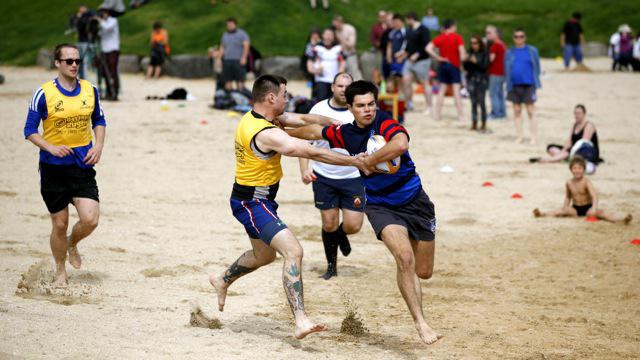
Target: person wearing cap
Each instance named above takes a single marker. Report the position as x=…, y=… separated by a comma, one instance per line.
x=621, y=48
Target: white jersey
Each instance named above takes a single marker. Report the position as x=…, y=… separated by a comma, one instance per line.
x=329, y=59
x=327, y=170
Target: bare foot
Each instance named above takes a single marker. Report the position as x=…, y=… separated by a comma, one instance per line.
x=537, y=213
x=74, y=257
x=627, y=219
x=61, y=279
x=308, y=327
x=221, y=290
x=427, y=334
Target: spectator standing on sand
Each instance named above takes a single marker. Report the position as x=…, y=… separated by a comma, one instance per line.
x=430, y=21
x=418, y=62
x=621, y=48
x=384, y=41
x=396, y=54
x=635, y=63
x=375, y=35
x=346, y=36
x=326, y=63
x=477, y=81
x=451, y=50
x=110, y=46
x=234, y=47
x=80, y=21
x=572, y=39
x=522, y=70
x=314, y=39
x=497, y=49
x=160, y=49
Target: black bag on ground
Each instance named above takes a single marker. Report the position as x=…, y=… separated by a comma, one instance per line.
x=178, y=94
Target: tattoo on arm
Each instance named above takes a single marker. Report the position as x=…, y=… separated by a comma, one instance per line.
x=235, y=271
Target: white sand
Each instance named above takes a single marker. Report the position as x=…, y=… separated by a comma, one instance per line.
x=506, y=285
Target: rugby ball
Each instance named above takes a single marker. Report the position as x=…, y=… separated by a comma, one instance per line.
x=375, y=143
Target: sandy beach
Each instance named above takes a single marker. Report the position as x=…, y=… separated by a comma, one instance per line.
x=506, y=285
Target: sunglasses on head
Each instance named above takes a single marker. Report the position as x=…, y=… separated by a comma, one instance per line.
x=71, y=61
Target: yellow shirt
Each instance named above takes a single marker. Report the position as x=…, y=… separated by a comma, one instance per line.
x=69, y=117
x=254, y=167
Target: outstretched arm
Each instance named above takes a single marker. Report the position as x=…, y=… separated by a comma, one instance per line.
x=295, y=120
x=308, y=132
x=275, y=139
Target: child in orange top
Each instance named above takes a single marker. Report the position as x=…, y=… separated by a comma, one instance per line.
x=582, y=194
x=160, y=49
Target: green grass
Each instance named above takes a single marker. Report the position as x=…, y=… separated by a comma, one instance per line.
x=280, y=27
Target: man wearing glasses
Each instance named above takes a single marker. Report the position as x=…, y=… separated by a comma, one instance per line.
x=68, y=108
x=522, y=75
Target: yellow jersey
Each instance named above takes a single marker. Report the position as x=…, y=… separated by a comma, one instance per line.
x=254, y=167
x=69, y=117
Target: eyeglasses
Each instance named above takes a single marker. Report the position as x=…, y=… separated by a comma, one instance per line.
x=518, y=36
x=71, y=61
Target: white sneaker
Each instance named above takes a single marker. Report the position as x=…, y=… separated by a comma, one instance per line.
x=591, y=168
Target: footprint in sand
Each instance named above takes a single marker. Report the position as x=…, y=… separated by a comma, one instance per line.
x=37, y=283
x=200, y=319
x=178, y=270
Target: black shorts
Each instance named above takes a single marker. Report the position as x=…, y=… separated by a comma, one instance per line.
x=59, y=184
x=338, y=193
x=582, y=209
x=233, y=71
x=449, y=74
x=522, y=94
x=418, y=216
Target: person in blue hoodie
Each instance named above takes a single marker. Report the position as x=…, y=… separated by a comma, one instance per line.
x=522, y=75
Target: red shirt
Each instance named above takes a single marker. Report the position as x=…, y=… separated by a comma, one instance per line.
x=497, y=65
x=448, y=44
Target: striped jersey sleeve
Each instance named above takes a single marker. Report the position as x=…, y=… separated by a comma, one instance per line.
x=390, y=128
x=333, y=134
x=37, y=112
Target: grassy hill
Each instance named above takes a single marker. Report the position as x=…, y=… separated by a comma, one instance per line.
x=280, y=27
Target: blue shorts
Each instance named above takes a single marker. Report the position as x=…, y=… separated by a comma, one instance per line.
x=338, y=193
x=448, y=74
x=259, y=218
x=396, y=68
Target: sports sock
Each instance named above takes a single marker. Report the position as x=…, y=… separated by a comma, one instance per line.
x=331, y=253
x=343, y=240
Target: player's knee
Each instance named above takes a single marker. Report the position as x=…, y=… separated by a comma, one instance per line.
x=330, y=224
x=352, y=228
x=424, y=273
x=60, y=224
x=293, y=253
x=90, y=221
x=405, y=260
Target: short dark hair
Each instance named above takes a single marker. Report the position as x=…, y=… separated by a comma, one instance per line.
x=58, y=50
x=578, y=160
x=580, y=106
x=448, y=23
x=340, y=74
x=266, y=84
x=157, y=25
x=360, y=87
x=397, y=16
x=576, y=15
x=232, y=19
x=519, y=29
x=412, y=15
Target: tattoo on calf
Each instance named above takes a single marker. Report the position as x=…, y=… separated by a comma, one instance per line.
x=294, y=289
x=235, y=271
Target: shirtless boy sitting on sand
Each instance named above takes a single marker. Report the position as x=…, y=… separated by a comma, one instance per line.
x=582, y=194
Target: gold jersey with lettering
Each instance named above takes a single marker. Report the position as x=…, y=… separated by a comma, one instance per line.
x=253, y=166
x=68, y=119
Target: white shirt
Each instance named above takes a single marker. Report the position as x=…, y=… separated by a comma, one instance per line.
x=329, y=59
x=109, y=35
x=636, y=49
x=615, y=41
x=333, y=171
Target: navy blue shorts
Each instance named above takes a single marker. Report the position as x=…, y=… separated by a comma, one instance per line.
x=448, y=74
x=338, y=193
x=418, y=216
x=259, y=218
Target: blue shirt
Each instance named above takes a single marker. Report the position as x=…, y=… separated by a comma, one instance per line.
x=38, y=112
x=397, y=39
x=522, y=68
x=382, y=189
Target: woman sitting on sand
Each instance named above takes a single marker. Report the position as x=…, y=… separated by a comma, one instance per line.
x=583, y=141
